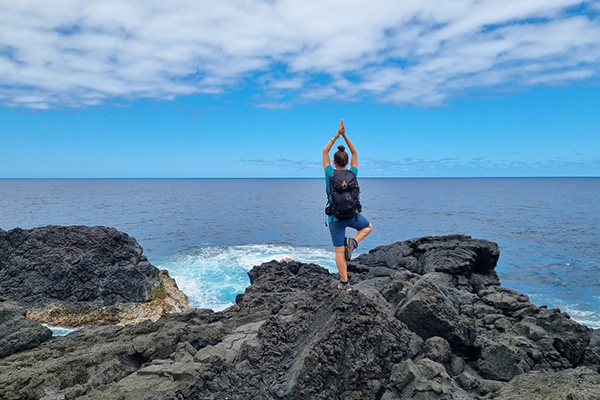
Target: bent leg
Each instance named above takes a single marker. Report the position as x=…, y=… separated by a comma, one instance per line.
x=363, y=233
x=363, y=227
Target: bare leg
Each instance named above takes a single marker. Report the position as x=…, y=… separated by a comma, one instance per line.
x=363, y=233
x=340, y=262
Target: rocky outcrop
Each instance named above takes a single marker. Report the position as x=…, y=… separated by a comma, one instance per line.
x=78, y=275
x=573, y=384
x=426, y=319
x=18, y=333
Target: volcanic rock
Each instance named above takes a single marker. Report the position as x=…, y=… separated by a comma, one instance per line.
x=78, y=275
x=18, y=333
x=426, y=319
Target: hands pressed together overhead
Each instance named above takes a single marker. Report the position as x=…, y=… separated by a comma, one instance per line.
x=341, y=130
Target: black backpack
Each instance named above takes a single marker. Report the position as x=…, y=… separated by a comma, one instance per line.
x=344, y=190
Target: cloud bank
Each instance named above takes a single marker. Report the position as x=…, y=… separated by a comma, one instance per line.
x=74, y=53
x=573, y=165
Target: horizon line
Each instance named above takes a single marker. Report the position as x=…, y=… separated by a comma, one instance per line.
x=312, y=177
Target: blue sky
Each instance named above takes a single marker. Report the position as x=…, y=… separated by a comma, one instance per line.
x=256, y=88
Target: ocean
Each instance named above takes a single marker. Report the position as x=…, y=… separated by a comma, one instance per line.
x=209, y=232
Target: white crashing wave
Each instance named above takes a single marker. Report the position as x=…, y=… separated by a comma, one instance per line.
x=211, y=276
x=60, y=330
x=584, y=314
x=588, y=318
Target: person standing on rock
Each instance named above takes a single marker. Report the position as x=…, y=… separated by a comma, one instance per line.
x=343, y=205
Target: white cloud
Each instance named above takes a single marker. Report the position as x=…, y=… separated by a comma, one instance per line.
x=295, y=83
x=274, y=106
x=410, y=166
x=574, y=164
x=296, y=165
x=77, y=53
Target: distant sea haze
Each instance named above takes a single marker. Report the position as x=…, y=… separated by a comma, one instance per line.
x=209, y=232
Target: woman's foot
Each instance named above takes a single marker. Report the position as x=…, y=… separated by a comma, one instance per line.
x=349, y=245
x=344, y=285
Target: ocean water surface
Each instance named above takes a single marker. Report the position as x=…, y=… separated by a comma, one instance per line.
x=209, y=232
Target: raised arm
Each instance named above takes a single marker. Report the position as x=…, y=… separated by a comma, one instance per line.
x=329, y=145
x=354, y=159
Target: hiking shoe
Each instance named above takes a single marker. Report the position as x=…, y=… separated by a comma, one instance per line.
x=349, y=245
x=344, y=285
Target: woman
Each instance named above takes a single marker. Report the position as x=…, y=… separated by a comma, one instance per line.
x=337, y=227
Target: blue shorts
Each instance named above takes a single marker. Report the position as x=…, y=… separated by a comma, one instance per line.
x=338, y=228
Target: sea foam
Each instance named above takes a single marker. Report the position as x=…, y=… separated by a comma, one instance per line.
x=212, y=276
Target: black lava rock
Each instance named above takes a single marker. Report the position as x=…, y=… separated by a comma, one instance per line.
x=426, y=319
x=97, y=266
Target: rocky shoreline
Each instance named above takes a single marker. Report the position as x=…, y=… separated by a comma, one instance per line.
x=427, y=319
x=76, y=276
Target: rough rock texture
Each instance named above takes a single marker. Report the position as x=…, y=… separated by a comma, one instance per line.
x=573, y=384
x=18, y=333
x=427, y=319
x=78, y=275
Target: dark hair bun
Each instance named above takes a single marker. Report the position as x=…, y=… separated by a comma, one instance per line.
x=341, y=148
